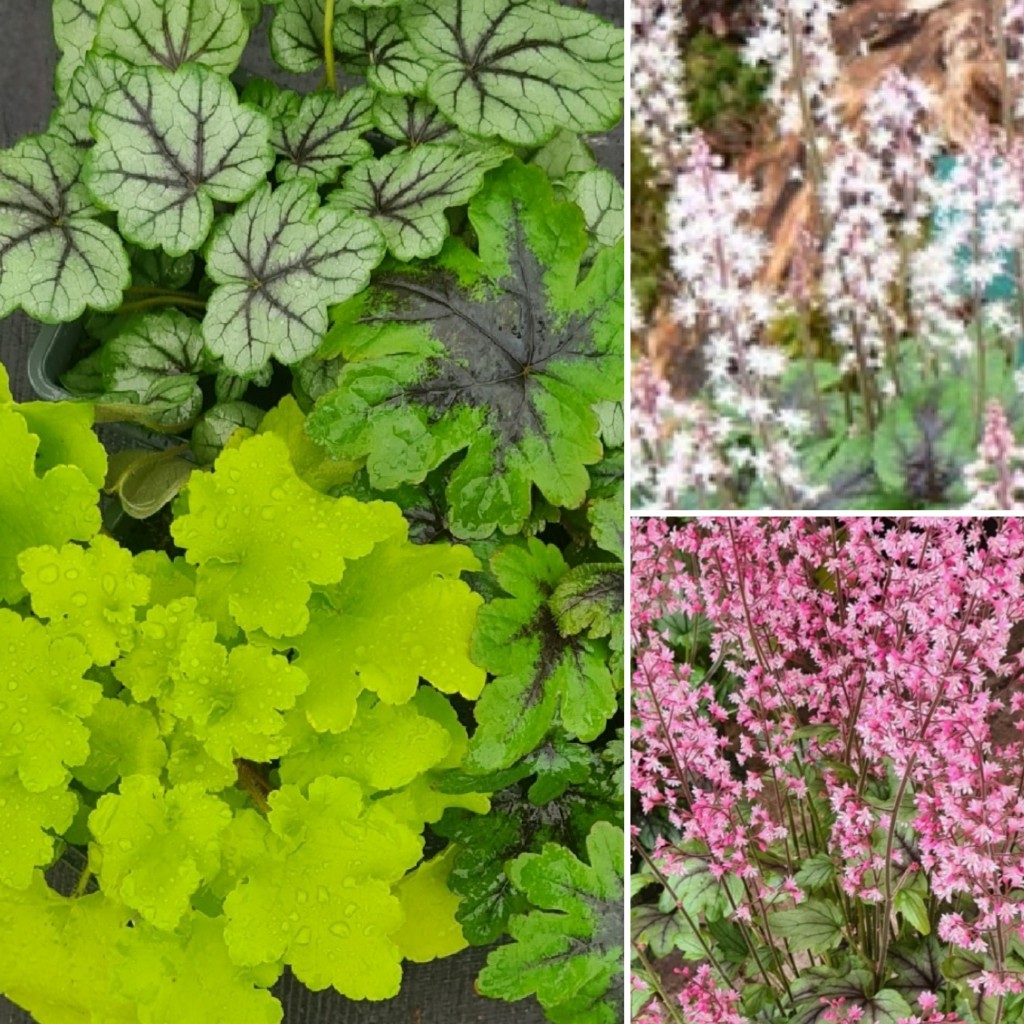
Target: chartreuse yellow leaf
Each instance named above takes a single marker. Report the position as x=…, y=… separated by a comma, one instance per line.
x=253, y=520
x=425, y=897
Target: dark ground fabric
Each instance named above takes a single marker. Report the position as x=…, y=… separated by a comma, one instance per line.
x=436, y=993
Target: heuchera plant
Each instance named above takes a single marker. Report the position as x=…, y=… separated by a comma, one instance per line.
x=203, y=222
x=827, y=770
x=874, y=362
x=243, y=746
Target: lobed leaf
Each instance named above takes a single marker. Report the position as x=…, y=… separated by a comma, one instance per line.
x=252, y=519
x=502, y=354
x=168, y=33
x=153, y=847
x=406, y=193
x=518, y=69
x=168, y=146
x=56, y=258
x=74, y=30
x=322, y=135
x=278, y=262
x=540, y=675
x=45, y=700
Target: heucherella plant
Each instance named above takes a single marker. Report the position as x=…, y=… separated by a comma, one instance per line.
x=202, y=223
x=242, y=742
x=852, y=364
x=826, y=754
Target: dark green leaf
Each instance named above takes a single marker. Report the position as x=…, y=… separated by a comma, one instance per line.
x=815, y=926
x=504, y=353
x=816, y=872
x=590, y=597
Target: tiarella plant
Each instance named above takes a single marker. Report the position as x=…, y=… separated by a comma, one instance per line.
x=244, y=747
x=394, y=624
x=203, y=221
x=827, y=771
x=870, y=360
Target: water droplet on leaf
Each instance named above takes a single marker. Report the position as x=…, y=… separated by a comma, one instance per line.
x=49, y=573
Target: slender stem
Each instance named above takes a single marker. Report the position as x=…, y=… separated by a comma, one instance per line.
x=83, y=882
x=329, y=44
x=253, y=783
x=666, y=1001
x=167, y=299
x=663, y=880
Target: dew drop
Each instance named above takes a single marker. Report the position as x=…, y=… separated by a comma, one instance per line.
x=361, y=651
x=301, y=896
x=350, y=908
x=268, y=512
x=368, y=930
x=222, y=519
x=340, y=929
x=79, y=599
x=71, y=574
x=157, y=632
x=49, y=573
x=235, y=475
x=277, y=493
x=349, y=882
x=302, y=937
x=109, y=582
x=322, y=894
x=16, y=728
x=347, y=759
x=125, y=844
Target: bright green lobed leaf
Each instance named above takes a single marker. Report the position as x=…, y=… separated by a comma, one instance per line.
x=572, y=956
x=190, y=979
x=43, y=702
x=58, y=956
x=66, y=437
x=88, y=593
x=400, y=614
x=30, y=819
x=311, y=462
x=278, y=262
x=153, y=847
x=425, y=897
x=169, y=33
x=504, y=354
x=590, y=597
x=235, y=699
x=124, y=739
x=74, y=30
x=541, y=676
x=170, y=635
x=384, y=748
x=324, y=903
x=57, y=506
x=518, y=69
x=168, y=146
x=56, y=258
x=407, y=192
x=323, y=135
x=252, y=519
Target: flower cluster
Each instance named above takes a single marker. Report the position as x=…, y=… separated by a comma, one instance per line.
x=905, y=277
x=816, y=692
